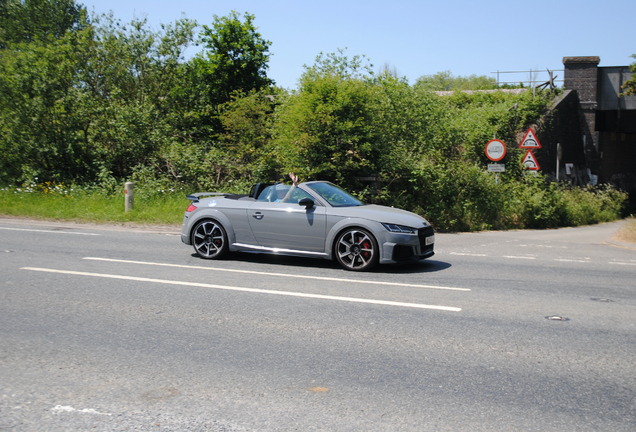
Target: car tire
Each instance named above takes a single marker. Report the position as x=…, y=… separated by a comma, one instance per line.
x=209, y=240
x=356, y=250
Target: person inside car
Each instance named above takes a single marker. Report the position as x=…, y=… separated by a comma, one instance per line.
x=283, y=192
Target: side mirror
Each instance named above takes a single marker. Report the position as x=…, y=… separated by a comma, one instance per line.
x=307, y=202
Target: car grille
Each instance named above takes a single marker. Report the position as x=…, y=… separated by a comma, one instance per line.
x=422, y=233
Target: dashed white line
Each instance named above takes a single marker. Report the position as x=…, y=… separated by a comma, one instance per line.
x=49, y=231
x=332, y=279
x=622, y=263
x=519, y=257
x=250, y=290
x=468, y=254
x=573, y=260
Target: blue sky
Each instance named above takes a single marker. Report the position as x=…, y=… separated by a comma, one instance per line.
x=417, y=37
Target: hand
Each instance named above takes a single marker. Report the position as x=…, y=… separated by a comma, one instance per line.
x=294, y=178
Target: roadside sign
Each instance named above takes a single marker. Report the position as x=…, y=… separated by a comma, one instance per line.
x=496, y=167
x=530, y=161
x=495, y=150
x=530, y=141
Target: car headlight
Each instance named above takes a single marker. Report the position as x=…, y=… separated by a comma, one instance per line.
x=399, y=228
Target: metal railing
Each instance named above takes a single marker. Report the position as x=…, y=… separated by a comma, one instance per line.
x=532, y=77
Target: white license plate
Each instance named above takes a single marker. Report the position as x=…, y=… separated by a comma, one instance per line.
x=429, y=240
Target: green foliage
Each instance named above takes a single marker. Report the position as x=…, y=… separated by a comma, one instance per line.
x=338, y=65
x=235, y=57
x=326, y=130
x=630, y=85
x=247, y=121
x=538, y=204
x=41, y=110
x=24, y=21
x=95, y=104
x=446, y=81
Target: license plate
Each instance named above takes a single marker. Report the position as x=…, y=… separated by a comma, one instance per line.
x=429, y=240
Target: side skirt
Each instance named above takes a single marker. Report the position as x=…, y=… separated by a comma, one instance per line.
x=252, y=248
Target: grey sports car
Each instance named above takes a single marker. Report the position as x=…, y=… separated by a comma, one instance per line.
x=312, y=219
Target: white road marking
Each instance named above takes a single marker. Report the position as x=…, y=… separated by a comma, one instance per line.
x=71, y=409
x=573, y=260
x=280, y=274
x=622, y=263
x=49, y=231
x=251, y=290
x=468, y=254
x=519, y=257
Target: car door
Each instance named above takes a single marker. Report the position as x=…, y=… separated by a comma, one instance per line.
x=288, y=225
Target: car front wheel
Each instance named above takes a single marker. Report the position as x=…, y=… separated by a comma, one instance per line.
x=209, y=240
x=356, y=250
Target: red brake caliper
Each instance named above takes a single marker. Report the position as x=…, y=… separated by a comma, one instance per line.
x=366, y=245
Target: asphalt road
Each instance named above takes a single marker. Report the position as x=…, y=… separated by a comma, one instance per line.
x=112, y=328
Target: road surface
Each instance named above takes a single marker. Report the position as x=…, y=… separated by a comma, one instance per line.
x=113, y=328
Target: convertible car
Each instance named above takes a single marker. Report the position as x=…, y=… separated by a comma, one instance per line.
x=312, y=219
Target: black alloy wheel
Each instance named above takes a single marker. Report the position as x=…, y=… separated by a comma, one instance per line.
x=356, y=250
x=209, y=240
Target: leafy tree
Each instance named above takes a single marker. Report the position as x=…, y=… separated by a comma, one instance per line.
x=234, y=57
x=630, y=85
x=339, y=65
x=130, y=80
x=39, y=118
x=247, y=121
x=31, y=20
x=324, y=131
x=97, y=100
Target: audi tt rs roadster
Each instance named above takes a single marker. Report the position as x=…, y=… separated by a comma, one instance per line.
x=313, y=219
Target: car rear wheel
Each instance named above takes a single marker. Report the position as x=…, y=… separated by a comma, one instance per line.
x=356, y=250
x=209, y=240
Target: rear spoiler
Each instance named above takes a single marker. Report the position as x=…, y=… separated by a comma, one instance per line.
x=195, y=196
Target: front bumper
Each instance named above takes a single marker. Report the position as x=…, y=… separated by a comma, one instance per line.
x=408, y=247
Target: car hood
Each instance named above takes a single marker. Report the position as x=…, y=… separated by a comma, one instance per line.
x=380, y=214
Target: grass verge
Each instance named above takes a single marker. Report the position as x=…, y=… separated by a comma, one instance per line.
x=627, y=234
x=165, y=209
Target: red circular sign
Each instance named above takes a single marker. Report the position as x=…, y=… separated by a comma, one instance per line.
x=495, y=150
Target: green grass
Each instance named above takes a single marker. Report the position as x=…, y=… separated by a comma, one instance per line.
x=161, y=208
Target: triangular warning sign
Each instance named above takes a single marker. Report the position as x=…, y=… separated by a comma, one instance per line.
x=530, y=141
x=530, y=162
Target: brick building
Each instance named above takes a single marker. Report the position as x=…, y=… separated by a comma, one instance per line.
x=607, y=120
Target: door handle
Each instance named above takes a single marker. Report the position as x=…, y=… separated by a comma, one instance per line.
x=258, y=215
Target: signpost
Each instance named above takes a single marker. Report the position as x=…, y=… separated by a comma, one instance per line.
x=530, y=141
x=559, y=156
x=530, y=161
x=495, y=150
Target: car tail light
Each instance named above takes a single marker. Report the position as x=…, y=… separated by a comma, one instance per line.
x=191, y=208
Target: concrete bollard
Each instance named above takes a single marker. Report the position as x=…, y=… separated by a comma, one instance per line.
x=128, y=191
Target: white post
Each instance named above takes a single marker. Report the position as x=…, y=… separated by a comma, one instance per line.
x=558, y=158
x=128, y=191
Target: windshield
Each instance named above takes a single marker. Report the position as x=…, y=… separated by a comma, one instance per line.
x=334, y=195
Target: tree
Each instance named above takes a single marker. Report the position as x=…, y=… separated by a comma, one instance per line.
x=98, y=99
x=31, y=20
x=325, y=130
x=630, y=85
x=235, y=57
